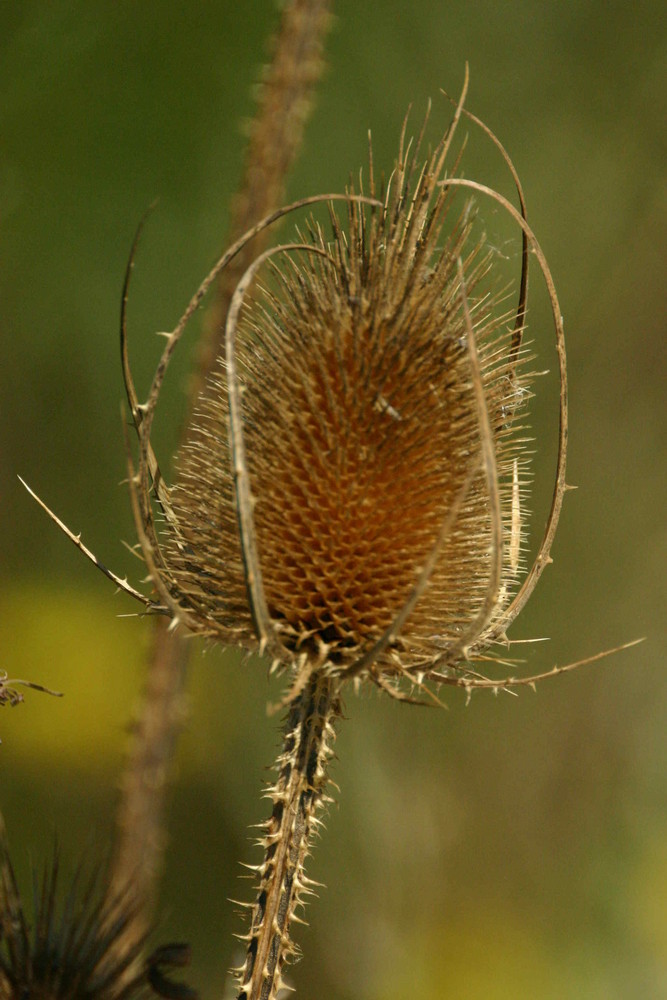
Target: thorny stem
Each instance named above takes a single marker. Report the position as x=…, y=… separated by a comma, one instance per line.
x=283, y=108
x=298, y=795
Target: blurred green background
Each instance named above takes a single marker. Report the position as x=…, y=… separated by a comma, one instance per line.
x=516, y=847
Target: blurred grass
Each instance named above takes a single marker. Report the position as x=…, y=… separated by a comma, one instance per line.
x=514, y=848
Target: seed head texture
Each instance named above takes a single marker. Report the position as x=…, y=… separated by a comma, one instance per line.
x=361, y=427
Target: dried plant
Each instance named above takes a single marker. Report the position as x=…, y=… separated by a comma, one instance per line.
x=68, y=953
x=9, y=696
x=366, y=364
x=350, y=498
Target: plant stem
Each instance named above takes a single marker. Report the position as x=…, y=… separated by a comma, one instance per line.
x=140, y=838
x=297, y=795
x=284, y=105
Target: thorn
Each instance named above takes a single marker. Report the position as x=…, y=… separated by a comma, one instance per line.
x=133, y=549
x=76, y=540
x=244, y=939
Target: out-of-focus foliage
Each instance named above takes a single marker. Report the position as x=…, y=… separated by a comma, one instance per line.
x=512, y=848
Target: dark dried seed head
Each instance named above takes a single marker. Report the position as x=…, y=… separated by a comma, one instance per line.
x=362, y=433
x=71, y=949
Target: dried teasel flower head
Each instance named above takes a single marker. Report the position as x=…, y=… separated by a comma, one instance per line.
x=351, y=493
x=70, y=950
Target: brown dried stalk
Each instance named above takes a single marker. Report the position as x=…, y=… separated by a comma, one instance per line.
x=274, y=140
x=298, y=795
x=140, y=839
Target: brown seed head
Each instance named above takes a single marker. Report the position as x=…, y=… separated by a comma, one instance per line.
x=77, y=948
x=350, y=493
x=361, y=427
x=67, y=952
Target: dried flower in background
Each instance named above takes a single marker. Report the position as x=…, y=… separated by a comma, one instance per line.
x=11, y=697
x=69, y=950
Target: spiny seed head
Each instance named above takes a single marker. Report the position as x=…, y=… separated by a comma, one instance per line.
x=69, y=952
x=76, y=948
x=360, y=422
x=350, y=493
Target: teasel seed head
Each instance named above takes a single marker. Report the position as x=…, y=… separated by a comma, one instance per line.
x=351, y=493
x=70, y=951
x=360, y=427
x=75, y=947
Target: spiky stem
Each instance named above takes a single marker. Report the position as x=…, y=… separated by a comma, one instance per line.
x=297, y=795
